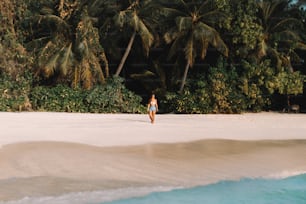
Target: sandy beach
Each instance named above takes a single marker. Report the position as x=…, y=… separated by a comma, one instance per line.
x=50, y=154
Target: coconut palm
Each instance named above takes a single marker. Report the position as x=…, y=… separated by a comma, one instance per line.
x=280, y=32
x=193, y=29
x=135, y=19
x=66, y=43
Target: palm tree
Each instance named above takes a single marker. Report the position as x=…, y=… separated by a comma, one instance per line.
x=66, y=43
x=280, y=32
x=192, y=27
x=137, y=19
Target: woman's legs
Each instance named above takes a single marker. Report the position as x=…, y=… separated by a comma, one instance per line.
x=152, y=116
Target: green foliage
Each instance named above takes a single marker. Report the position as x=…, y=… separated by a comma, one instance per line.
x=65, y=41
x=193, y=29
x=227, y=90
x=290, y=83
x=14, y=92
x=112, y=97
x=218, y=93
x=223, y=87
x=13, y=57
x=193, y=99
x=60, y=98
x=258, y=83
x=244, y=28
x=281, y=32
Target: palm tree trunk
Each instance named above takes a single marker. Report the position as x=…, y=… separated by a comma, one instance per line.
x=104, y=59
x=184, y=77
x=126, y=54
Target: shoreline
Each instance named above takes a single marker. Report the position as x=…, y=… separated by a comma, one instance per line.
x=51, y=154
x=44, y=169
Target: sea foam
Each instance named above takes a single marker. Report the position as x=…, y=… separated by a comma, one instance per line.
x=285, y=174
x=92, y=197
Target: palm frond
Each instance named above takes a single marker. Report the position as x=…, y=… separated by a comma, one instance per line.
x=86, y=74
x=53, y=18
x=204, y=47
x=170, y=13
x=176, y=45
x=301, y=46
x=190, y=53
x=290, y=35
x=35, y=43
x=83, y=48
x=212, y=36
x=134, y=21
x=66, y=60
x=44, y=53
x=213, y=17
x=171, y=35
x=96, y=68
x=184, y=5
x=183, y=23
x=51, y=66
x=204, y=6
x=120, y=19
x=284, y=23
x=46, y=11
x=146, y=36
x=219, y=44
x=266, y=10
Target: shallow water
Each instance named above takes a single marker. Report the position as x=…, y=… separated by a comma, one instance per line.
x=265, y=191
x=290, y=190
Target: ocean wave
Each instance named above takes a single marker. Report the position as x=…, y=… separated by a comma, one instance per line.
x=93, y=197
x=105, y=196
x=285, y=174
x=248, y=190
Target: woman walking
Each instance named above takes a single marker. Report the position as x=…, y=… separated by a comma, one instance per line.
x=152, y=108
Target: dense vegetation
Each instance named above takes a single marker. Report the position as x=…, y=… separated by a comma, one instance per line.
x=197, y=56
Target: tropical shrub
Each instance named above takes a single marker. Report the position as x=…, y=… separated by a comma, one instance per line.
x=290, y=83
x=14, y=92
x=257, y=83
x=223, y=89
x=193, y=99
x=60, y=98
x=111, y=97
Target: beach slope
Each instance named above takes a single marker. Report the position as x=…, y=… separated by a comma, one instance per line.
x=50, y=154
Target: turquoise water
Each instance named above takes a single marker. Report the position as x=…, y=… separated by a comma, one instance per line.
x=290, y=190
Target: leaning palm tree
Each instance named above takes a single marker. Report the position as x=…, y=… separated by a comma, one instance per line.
x=137, y=19
x=192, y=27
x=66, y=43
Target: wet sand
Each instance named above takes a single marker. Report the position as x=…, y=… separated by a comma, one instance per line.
x=96, y=152
x=51, y=168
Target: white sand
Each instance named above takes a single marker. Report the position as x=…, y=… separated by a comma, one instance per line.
x=46, y=154
x=125, y=129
